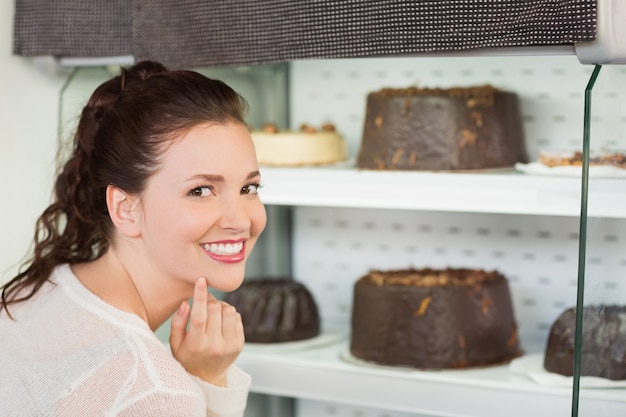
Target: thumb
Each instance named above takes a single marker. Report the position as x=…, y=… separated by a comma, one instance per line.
x=178, y=326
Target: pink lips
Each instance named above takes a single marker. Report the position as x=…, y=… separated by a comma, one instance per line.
x=225, y=257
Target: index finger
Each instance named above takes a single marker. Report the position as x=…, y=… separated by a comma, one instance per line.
x=198, y=315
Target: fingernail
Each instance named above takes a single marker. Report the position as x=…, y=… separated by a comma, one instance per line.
x=201, y=283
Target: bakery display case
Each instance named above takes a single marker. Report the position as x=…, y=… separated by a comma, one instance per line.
x=346, y=221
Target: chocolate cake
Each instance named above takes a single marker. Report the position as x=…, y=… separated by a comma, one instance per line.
x=275, y=310
x=433, y=319
x=603, y=343
x=442, y=129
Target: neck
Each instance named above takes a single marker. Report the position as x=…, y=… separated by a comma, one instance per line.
x=117, y=283
x=140, y=310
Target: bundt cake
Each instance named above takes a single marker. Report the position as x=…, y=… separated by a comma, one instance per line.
x=275, y=310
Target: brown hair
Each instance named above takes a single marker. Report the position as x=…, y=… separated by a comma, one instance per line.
x=126, y=125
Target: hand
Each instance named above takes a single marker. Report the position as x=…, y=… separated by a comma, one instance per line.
x=214, y=339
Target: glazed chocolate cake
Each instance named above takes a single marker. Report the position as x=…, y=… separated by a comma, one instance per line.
x=441, y=129
x=603, y=343
x=433, y=319
x=275, y=310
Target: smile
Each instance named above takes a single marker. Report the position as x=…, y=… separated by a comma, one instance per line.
x=223, y=248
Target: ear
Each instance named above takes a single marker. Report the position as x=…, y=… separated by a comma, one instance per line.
x=123, y=210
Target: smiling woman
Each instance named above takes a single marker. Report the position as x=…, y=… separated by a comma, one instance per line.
x=157, y=202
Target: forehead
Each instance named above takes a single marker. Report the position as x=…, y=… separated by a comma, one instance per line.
x=209, y=149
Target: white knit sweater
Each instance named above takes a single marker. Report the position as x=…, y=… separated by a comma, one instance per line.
x=69, y=353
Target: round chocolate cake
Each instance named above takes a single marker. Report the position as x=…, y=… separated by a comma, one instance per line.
x=442, y=129
x=603, y=343
x=433, y=319
x=275, y=310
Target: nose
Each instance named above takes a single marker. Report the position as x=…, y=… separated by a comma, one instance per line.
x=236, y=214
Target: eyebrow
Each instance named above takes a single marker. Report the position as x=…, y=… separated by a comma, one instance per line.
x=253, y=174
x=220, y=178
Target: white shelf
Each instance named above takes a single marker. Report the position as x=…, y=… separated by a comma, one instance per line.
x=321, y=374
x=497, y=191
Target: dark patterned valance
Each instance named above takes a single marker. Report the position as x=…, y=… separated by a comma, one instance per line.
x=191, y=33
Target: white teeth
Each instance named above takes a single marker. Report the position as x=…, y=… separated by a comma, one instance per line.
x=224, y=249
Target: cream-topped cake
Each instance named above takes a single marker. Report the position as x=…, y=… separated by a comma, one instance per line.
x=308, y=146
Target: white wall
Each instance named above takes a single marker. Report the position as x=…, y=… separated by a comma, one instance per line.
x=29, y=98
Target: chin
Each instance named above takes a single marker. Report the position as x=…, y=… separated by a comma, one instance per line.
x=225, y=283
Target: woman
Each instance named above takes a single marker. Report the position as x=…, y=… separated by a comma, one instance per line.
x=157, y=202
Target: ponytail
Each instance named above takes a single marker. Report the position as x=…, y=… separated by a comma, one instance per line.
x=71, y=229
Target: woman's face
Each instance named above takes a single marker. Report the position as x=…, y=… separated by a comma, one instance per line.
x=201, y=214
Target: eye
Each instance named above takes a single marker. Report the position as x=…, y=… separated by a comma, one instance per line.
x=202, y=191
x=252, y=189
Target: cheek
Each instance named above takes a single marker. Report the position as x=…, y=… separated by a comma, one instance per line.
x=181, y=224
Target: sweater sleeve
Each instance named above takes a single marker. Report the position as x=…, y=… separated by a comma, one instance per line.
x=229, y=401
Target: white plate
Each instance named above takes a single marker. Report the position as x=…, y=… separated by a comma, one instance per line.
x=532, y=366
x=595, y=171
x=347, y=356
x=323, y=339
